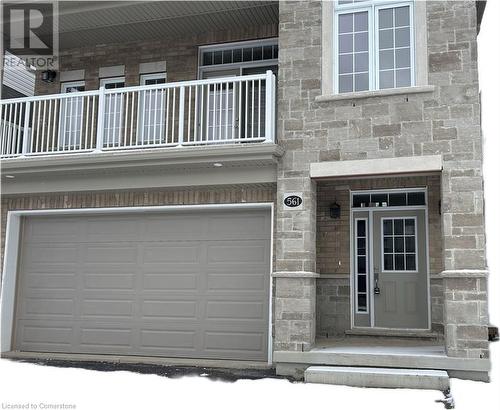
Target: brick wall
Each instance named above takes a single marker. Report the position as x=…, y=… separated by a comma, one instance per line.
x=180, y=54
x=209, y=195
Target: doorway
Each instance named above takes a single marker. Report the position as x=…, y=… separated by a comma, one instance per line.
x=390, y=274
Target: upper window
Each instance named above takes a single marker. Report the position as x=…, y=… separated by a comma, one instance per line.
x=374, y=45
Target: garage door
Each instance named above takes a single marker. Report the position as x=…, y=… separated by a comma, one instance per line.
x=186, y=284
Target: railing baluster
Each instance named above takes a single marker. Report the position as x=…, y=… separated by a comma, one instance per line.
x=189, y=116
x=148, y=124
x=182, y=92
x=233, y=112
x=47, y=147
x=100, y=119
x=196, y=107
x=162, y=116
x=253, y=108
x=259, y=108
x=167, y=116
x=56, y=131
x=13, y=141
x=173, y=116
x=220, y=110
x=26, y=133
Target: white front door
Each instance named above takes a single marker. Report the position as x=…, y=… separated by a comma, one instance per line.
x=71, y=116
x=113, y=112
x=152, y=106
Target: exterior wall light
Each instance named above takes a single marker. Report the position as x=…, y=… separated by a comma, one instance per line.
x=335, y=211
x=48, y=76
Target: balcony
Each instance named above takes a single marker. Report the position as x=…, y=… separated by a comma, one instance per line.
x=216, y=112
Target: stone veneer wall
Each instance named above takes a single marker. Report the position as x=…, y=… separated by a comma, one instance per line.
x=333, y=249
x=180, y=54
x=445, y=121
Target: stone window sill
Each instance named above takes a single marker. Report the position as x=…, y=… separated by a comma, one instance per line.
x=376, y=93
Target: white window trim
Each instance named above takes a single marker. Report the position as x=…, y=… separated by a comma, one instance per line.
x=329, y=52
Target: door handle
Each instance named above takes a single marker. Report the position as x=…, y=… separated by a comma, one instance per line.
x=376, y=289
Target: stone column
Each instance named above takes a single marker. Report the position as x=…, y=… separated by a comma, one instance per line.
x=466, y=314
x=295, y=276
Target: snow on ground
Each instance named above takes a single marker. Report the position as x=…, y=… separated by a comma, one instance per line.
x=36, y=385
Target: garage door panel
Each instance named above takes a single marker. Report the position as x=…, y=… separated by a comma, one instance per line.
x=168, y=339
x=168, y=253
x=52, y=254
x=48, y=230
x=106, y=308
x=175, y=285
x=53, y=306
x=242, y=252
x=234, y=341
x=174, y=228
x=41, y=281
x=169, y=309
x=55, y=336
x=98, y=337
x=171, y=281
x=231, y=226
x=235, y=309
x=108, y=281
x=236, y=282
x=110, y=254
x=114, y=230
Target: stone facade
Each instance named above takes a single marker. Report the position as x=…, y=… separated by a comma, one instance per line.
x=443, y=120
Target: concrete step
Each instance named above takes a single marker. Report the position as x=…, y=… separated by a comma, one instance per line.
x=378, y=377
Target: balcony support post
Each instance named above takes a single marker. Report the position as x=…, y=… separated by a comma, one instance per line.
x=270, y=106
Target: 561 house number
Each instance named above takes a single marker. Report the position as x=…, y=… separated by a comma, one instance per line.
x=293, y=200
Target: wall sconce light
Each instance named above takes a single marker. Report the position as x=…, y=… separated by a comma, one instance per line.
x=48, y=76
x=335, y=211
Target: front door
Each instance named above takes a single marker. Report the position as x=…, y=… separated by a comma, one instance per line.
x=390, y=270
x=400, y=269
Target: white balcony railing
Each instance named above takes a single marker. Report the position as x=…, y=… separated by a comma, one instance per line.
x=232, y=110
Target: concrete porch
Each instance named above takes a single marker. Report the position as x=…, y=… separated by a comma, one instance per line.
x=380, y=352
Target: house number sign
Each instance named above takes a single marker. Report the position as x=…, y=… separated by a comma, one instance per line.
x=293, y=200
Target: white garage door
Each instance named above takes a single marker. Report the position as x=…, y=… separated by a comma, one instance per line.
x=186, y=284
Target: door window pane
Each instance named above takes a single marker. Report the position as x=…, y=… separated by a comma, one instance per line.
x=399, y=244
x=361, y=262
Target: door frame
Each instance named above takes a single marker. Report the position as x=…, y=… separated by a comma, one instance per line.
x=370, y=210
x=140, y=131
x=12, y=247
x=63, y=120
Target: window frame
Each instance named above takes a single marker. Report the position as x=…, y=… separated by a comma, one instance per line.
x=372, y=7
x=382, y=253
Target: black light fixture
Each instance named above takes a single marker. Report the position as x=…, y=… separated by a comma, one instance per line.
x=48, y=76
x=335, y=211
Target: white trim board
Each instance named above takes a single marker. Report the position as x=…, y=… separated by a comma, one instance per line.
x=12, y=246
x=382, y=166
